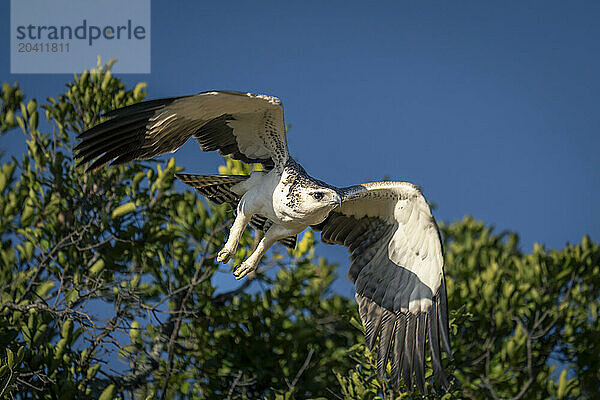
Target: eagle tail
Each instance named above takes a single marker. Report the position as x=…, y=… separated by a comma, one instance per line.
x=217, y=188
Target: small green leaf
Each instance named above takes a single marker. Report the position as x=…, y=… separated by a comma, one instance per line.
x=33, y=120
x=137, y=179
x=562, y=385
x=355, y=323
x=138, y=90
x=67, y=329
x=108, y=393
x=96, y=268
x=59, y=349
x=20, y=354
x=106, y=80
x=122, y=210
x=134, y=331
x=72, y=296
x=91, y=372
x=31, y=106
x=27, y=214
x=44, y=288
x=10, y=358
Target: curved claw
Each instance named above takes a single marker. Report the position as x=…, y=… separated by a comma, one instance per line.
x=243, y=269
x=224, y=255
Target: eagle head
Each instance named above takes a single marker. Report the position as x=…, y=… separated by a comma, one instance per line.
x=311, y=203
x=302, y=198
x=317, y=199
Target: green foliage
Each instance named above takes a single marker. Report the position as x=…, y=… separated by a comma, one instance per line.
x=526, y=313
x=109, y=289
x=11, y=98
x=107, y=279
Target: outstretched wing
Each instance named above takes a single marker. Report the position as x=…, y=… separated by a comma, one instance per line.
x=397, y=270
x=245, y=126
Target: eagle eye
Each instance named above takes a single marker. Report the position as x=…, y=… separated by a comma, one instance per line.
x=318, y=195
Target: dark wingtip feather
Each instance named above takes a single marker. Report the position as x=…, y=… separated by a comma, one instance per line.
x=434, y=346
x=119, y=135
x=420, y=351
x=442, y=303
x=409, y=347
x=398, y=350
x=99, y=163
x=373, y=325
x=385, y=342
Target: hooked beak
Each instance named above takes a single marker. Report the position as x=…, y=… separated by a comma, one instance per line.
x=339, y=200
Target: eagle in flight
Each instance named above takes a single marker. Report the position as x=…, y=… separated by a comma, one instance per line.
x=394, y=242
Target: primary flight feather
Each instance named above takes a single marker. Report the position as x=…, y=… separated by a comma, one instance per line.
x=394, y=242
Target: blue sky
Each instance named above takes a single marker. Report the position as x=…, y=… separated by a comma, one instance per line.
x=491, y=108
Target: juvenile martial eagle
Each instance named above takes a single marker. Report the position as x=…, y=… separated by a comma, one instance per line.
x=394, y=242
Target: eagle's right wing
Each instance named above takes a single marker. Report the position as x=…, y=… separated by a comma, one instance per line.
x=245, y=126
x=397, y=269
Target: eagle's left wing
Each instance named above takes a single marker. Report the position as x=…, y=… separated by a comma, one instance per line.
x=245, y=126
x=397, y=269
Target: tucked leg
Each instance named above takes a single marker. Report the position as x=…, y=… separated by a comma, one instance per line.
x=242, y=220
x=272, y=235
